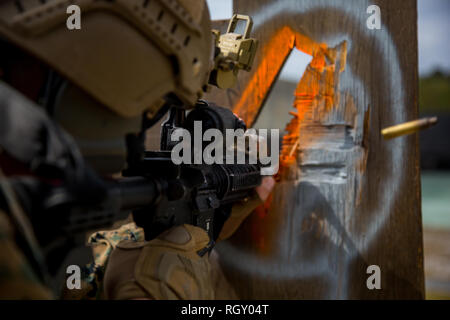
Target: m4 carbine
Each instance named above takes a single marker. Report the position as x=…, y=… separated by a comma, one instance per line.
x=159, y=193
x=197, y=194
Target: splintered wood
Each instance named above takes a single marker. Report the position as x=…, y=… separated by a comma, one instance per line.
x=315, y=98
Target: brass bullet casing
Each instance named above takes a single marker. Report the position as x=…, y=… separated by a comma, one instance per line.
x=408, y=127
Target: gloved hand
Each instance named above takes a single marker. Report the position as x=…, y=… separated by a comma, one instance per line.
x=241, y=210
x=167, y=267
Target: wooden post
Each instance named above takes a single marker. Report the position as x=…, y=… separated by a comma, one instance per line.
x=346, y=198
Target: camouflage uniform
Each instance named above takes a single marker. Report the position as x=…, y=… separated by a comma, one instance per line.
x=102, y=243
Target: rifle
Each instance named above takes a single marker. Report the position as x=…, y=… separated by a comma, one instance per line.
x=159, y=193
x=162, y=195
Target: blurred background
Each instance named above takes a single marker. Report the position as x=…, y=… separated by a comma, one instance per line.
x=434, y=99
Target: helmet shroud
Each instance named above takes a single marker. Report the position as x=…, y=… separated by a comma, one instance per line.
x=127, y=55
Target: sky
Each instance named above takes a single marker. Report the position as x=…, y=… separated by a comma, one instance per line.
x=434, y=35
x=433, y=29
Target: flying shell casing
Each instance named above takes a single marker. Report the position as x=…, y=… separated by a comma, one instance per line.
x=408, y=127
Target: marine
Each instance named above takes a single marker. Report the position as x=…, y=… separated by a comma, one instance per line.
x=66, y=118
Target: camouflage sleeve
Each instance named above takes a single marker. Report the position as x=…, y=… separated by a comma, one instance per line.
x=17, y=279
x=102, y=243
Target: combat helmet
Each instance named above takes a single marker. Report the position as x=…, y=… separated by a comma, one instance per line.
x=126, y=54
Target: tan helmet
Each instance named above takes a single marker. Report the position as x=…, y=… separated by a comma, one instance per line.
x=128, y=53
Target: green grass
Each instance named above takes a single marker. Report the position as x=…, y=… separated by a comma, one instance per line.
x=434, y=93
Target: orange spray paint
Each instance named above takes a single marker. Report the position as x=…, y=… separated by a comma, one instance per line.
x=314, y=97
